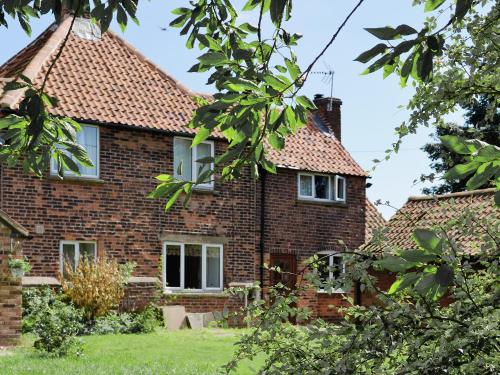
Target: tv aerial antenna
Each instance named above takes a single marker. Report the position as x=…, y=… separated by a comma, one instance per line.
x=327, y=78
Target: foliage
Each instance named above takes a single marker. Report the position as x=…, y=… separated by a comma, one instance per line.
x=35, y=300
x=458, y=63
x=33, y=136
x=96, y=286
x=145, y=321
x=19, y=264
x=476, y=126
x=441, y=314
x=56, y=325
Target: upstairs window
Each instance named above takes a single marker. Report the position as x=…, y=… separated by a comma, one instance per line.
x=321, y=187
x=88, y=138
x=330, y=270
x=186, y=161
x=72, y=251
x=195, y=267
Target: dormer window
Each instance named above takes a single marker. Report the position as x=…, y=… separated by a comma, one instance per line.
x=187, y=166
x=320, y=187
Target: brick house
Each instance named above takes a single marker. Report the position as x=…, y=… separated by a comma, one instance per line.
x=134, y=120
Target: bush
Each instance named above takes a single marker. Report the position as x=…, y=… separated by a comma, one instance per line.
x=144, y=322
x=56, y=325
x=35, y=300
x=96, y=286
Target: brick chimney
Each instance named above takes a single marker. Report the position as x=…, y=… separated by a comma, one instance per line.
x=329, y=110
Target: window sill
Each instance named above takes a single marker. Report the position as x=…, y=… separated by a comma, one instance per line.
x=198, y=293
x=321, y=203
x=204, y=190
x=76, y=179
x=337, y=291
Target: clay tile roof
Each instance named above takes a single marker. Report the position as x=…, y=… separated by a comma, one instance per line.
x=434, y=212
x=315, y=148
x=374, y=220
x=101, y=78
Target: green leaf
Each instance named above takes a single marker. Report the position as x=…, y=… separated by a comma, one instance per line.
x=277, y=9
x=483, y=175
x=276, y=141
x=405, y=30
x=275, y=82
x=213, y=58
x=121, y=18
x=293, y=69
x=394, y=263
x=371, y=53
x=404, y=282
x=457, y=144
x=305, y=102
x=428, y=240
x=384, y=33
x=460, y=171
x=444, y=275
x=463, y=6
x=417, y=256
x=173, y=199
x=249, y=28
x=240, y=84
x=201, y=135
x=430, y=5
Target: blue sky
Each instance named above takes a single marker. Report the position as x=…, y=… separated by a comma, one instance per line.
x=370, y=104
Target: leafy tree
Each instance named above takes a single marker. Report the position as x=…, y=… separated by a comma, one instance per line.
x=477, y=126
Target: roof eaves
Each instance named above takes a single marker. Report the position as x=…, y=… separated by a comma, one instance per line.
x=11, y=98
x=14, y=225
x=452, y=195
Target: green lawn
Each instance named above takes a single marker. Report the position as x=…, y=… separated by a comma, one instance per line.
x=182, y=352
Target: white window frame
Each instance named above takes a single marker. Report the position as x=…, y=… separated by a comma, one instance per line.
x=332, y=195
x=77, y=252
x=204, y=287
x=337, y=179
x=332, y=255
x=194, y=171
x=54, y=172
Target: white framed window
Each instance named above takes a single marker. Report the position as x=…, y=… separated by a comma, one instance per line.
x=320, y=187
x=192, y=266
x=186, y=161
x=70, y=253
x=330, y=269
x=88, y=138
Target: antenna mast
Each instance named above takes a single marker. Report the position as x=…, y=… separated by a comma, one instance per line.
x=328, y=78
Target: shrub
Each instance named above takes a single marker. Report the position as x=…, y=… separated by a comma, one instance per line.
x=35, y=301
x=56, y=325
x=144, y=322
x=96, y=286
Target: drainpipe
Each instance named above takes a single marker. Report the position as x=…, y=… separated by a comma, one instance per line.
x=262, y=224
x=357, y=295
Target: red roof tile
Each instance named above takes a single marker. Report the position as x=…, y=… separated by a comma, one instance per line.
x=374, y=220
x=435, y=212
x=106, y=80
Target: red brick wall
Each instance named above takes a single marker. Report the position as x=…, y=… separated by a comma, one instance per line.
x=306, y=228
x=117, y=214
x=10, y=294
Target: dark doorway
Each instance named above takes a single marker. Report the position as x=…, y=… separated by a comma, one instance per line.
x=288, y=266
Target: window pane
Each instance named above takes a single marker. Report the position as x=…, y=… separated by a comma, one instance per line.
x=192, y=267
x=324, y=268
x=336, y=262
x=321, y=186
x=87, y=138
x=213, y=267
x=203, y=150
x=87, y=250
x=182, y=159
x=173, y=266
x=68, y=257
x=340, y=188
x=306, y=186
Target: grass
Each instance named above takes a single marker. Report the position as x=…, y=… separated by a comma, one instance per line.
x=181, y=352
